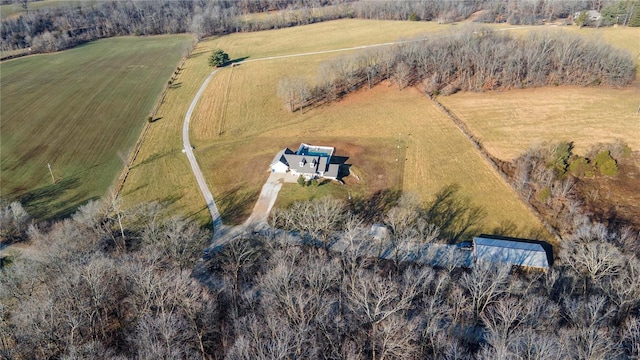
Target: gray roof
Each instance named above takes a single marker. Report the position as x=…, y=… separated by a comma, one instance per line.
x=510, y=252
x=314, y=159
x=332, y=171
x=280, y=156
x=294, y=162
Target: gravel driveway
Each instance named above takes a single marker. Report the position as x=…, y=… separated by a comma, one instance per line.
x=268, y=197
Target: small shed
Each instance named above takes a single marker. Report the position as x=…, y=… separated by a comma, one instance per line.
x=512, y=251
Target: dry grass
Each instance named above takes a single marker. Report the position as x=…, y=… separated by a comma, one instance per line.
x=161, y=171
x=240, y=124
x=373, y=128
x=510, y=122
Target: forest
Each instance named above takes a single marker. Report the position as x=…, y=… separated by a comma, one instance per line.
x=65, y=26
x=469, y=59
x=114, y=283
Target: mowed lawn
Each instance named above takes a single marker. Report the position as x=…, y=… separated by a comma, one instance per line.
x=78, y=110
x=509, y=122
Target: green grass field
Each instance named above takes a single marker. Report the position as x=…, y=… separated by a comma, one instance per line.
x=14, y=9
x=77, y=110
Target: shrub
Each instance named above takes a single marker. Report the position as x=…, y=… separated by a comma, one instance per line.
x=580, y=167
x=301, y=181
x=606, y=164
x=560, y=158
x=545, y=194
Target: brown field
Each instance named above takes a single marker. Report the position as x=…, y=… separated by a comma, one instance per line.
x=372, y=128
x=510, y=122
x=161, y=172
x=240, y=124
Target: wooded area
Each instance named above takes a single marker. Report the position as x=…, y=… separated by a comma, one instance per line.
x=112, y=284
x=472, y=59
x=61, y=27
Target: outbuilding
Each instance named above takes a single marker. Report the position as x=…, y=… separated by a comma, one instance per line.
x=512, y=251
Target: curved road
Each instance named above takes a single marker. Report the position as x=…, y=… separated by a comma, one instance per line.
x=213, y=209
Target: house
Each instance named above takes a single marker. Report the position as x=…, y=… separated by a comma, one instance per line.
x=309, y=161
x=512, y=251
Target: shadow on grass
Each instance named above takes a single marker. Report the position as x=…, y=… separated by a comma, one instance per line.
x=44, y=203
x=236, y=61
x=236, y=205
x=374, y=207
x=344, y=169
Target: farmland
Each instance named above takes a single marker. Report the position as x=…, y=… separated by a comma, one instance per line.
x=78, y=110
x=160, y=170
x=509, y=122
x=240, y=124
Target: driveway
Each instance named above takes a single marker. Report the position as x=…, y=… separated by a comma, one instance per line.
x=268, y=197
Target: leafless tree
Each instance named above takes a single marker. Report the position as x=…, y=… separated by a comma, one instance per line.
x=376, y=299
x=486, y=283
x=14, y=221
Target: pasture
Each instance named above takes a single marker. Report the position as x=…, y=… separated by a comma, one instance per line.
x=240, y=124
x=512, y=121
x=14, y=9
x=80, y=110
x=161, y=172
x=509, y=122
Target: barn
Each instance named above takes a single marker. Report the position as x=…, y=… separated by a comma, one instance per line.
x=512, y=251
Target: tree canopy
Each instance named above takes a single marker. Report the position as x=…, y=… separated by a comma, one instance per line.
x=219, y=58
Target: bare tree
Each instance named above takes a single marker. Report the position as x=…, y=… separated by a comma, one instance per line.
x=486, y=283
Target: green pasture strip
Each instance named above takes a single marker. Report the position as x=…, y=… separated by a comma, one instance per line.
x=78, y=110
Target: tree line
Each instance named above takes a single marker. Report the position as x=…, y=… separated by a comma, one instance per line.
x=471, y=59
x=64, y=26
x=114, y=283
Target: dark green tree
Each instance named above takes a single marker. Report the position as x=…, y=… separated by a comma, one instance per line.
x=218, y=58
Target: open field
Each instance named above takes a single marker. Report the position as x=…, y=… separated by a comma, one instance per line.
x=511, y=121
x=14, y=9
x=162, y=172
x=77, y=110
x=240, y=124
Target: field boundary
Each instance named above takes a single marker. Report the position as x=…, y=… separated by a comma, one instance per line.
x=464, y=129
x=138, y=145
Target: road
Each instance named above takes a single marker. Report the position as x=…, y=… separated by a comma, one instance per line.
x=270, y=191
x=195, y=168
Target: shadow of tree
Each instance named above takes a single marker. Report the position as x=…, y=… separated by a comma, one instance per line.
x=374, y=207
x=455, y=215
x=43, y=203
x=236, y=205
